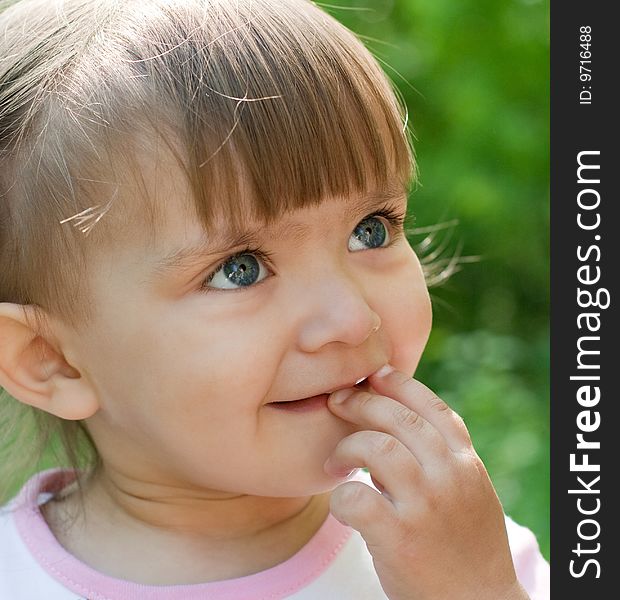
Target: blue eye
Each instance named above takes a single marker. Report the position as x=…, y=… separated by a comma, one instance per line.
x=246, y=268
x=371, y=232
x=239, y=270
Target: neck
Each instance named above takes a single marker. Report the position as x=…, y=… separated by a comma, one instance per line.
x=192, y=535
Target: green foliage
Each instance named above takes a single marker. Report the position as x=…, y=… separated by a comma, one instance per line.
x=474, y=75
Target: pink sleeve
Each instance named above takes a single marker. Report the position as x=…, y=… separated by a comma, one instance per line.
x=531, y=567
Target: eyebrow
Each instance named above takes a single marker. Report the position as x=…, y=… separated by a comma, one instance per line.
x=226, y=241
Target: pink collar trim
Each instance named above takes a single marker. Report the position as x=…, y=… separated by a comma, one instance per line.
x=272, y=584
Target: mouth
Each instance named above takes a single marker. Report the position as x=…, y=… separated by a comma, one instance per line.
x=314, y=403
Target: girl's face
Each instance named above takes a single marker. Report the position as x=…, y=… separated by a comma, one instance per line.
x=185, y=361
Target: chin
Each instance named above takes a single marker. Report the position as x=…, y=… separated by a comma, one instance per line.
x=308, y=486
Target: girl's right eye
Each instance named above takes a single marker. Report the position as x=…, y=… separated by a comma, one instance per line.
x=242, y=269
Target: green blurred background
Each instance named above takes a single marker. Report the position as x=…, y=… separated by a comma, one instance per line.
x=475, y=77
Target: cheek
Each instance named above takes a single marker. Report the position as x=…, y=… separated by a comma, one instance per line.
x=407, y=317
x=214, y=373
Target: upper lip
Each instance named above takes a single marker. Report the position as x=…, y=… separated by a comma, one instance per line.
x=350, y=383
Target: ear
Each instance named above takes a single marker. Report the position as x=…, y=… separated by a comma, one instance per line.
x=34, y=371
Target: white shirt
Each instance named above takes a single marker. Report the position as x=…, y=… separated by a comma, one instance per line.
x=334, y=565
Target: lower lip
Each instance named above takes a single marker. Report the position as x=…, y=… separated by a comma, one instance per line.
x=302, y=406
x=310, y=404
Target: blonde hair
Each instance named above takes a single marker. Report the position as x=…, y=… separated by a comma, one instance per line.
x=277, y=95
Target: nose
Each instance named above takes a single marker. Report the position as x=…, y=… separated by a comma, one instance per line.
x=335, y=309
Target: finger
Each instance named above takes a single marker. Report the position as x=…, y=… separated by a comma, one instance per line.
x=388, y=460
x=419, y=398
x=359, y=506
x=380, y=413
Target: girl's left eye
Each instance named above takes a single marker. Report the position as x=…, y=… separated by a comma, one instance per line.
x=243, y=269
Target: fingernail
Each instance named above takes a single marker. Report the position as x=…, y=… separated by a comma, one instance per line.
x=384, y=370
x=340, y=396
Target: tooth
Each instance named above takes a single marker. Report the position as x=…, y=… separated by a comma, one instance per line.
x=360, y=380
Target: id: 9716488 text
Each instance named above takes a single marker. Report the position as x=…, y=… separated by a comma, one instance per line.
x=585, y=64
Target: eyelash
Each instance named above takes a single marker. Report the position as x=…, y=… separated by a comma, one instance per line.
x=395, y=217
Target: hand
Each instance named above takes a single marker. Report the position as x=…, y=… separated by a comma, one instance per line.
x=436, y=531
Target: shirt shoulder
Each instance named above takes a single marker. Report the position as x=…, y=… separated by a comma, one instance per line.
x=531, y=567
x=21, y=577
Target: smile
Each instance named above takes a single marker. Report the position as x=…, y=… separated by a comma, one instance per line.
x=314, y=403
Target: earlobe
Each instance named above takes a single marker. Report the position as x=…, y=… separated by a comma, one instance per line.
x=35, y=372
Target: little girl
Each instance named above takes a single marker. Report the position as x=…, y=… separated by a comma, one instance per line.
x=208, y=298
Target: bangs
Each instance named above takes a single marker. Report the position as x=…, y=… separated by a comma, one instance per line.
x=267, y=107
x=300, y=114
